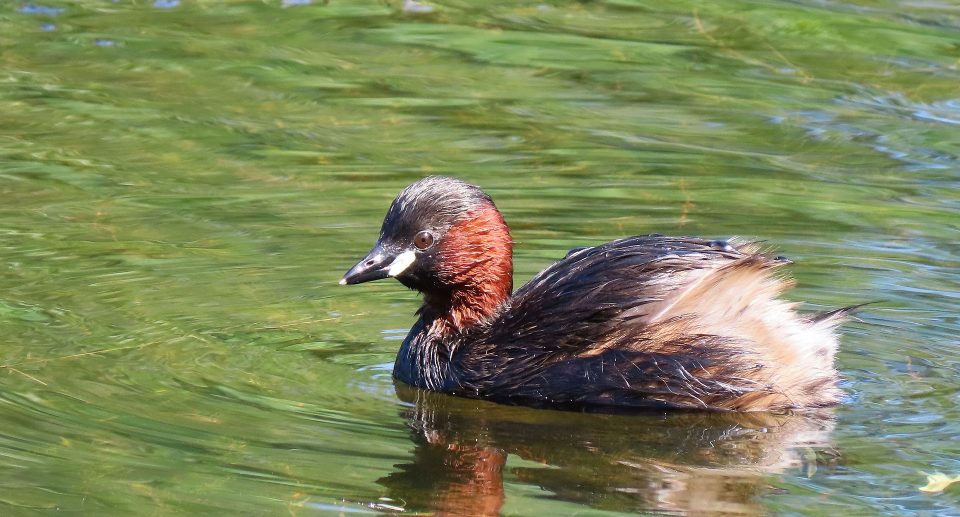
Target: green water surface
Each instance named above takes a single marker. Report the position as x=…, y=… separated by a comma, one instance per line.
x=182, y=183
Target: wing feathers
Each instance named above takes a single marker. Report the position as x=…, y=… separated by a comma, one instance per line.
x=664, y=322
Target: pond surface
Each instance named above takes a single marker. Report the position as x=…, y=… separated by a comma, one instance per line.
x=184, y=182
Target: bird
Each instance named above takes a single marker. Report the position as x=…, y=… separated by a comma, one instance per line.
x=640, y=323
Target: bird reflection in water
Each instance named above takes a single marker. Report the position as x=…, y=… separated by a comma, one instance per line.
x=691, y=463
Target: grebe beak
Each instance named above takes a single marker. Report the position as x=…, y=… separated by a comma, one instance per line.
x=372, y=267
x=380, y=263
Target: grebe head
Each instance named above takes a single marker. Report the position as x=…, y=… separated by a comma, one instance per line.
x=446, y=239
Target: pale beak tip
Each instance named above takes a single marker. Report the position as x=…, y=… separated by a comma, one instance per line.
x=343, y=281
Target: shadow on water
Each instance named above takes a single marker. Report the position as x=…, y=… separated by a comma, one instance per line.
x=466, y=452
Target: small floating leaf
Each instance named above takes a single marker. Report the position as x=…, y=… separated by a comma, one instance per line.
x=938, y=482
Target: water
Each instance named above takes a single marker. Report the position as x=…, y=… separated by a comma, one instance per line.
x=183, y=184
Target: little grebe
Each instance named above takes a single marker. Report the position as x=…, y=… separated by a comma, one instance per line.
x=640, y=322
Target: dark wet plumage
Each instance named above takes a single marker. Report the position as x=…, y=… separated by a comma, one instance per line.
x=640, y=322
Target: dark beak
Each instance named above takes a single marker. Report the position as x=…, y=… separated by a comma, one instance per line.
x=373, y=267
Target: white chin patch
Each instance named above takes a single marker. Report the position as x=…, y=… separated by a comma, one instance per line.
x=401, y=263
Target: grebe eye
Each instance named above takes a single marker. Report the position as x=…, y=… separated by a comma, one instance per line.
x=423, y=240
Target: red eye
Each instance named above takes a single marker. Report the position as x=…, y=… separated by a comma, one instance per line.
x=423, y=240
